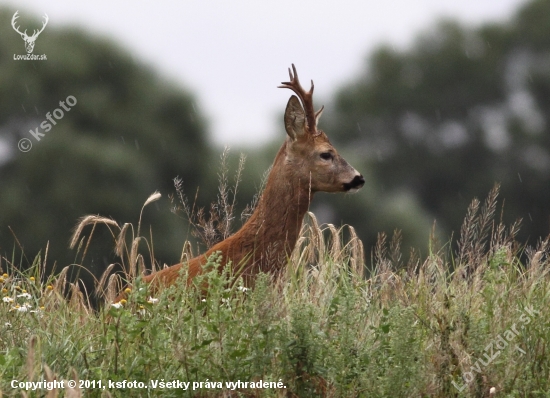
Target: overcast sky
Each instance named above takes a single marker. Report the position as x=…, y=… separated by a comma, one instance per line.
x=233, y=54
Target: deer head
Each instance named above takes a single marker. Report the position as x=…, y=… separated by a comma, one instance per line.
x=29, y=40
x=310, y=154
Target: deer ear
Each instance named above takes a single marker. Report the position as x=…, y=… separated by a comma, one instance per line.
x=295, y=118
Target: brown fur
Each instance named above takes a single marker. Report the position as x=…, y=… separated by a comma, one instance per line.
x=299, y=171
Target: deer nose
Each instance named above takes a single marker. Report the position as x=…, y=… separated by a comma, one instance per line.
x=357, y=182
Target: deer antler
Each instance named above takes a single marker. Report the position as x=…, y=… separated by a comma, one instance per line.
x=306, y=98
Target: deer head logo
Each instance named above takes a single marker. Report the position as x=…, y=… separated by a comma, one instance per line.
x=29, y=40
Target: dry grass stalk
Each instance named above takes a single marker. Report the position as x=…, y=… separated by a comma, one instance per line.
x=31, y=358
x=73, y=392
x=476, y=230
x=77, y=301
x=226, y=209
x=87, y=220
x=217, y=225
x=152, y=198
x=140, y=265
x=223, y=206
x=249, y=208
x=121, y=240
x=100, y=288
x=467, y=232
x=186, y=252
x=61, y=281
x=113, y=287
x=316, y=238
x=42, y=268
x=357, y=255
x=538, y=257
x=381, y=263
x=395, y=250
x=335, y=244
x=132, y=266
x=298, y=255
x=50, y=377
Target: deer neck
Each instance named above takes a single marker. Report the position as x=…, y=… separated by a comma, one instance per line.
x=275, y=225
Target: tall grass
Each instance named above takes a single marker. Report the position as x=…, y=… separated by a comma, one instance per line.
x=331, y=326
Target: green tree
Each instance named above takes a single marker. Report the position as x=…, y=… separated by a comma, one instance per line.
x=130, y=133
x=461, y=109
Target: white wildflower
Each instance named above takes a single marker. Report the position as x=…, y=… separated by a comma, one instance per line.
x=38, y=312
x=7, y=300
x=25, y=295
x=117, y=305
x=152, y=300
x=227, y=302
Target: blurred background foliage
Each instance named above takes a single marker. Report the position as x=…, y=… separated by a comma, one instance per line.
x=431, y=127
x=129, y=134
x=440, y=123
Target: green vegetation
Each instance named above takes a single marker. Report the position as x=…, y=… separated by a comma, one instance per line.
x=419, y=327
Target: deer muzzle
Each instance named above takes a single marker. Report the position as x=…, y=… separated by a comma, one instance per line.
x=355, y=184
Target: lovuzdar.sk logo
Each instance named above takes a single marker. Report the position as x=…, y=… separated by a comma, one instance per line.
x=29, y=40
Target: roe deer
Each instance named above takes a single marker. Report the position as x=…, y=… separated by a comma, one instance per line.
x=306, y=163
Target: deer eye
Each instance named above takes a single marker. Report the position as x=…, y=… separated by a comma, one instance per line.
x=326, y=156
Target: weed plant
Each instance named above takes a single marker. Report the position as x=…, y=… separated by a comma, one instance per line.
x=470, y=322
